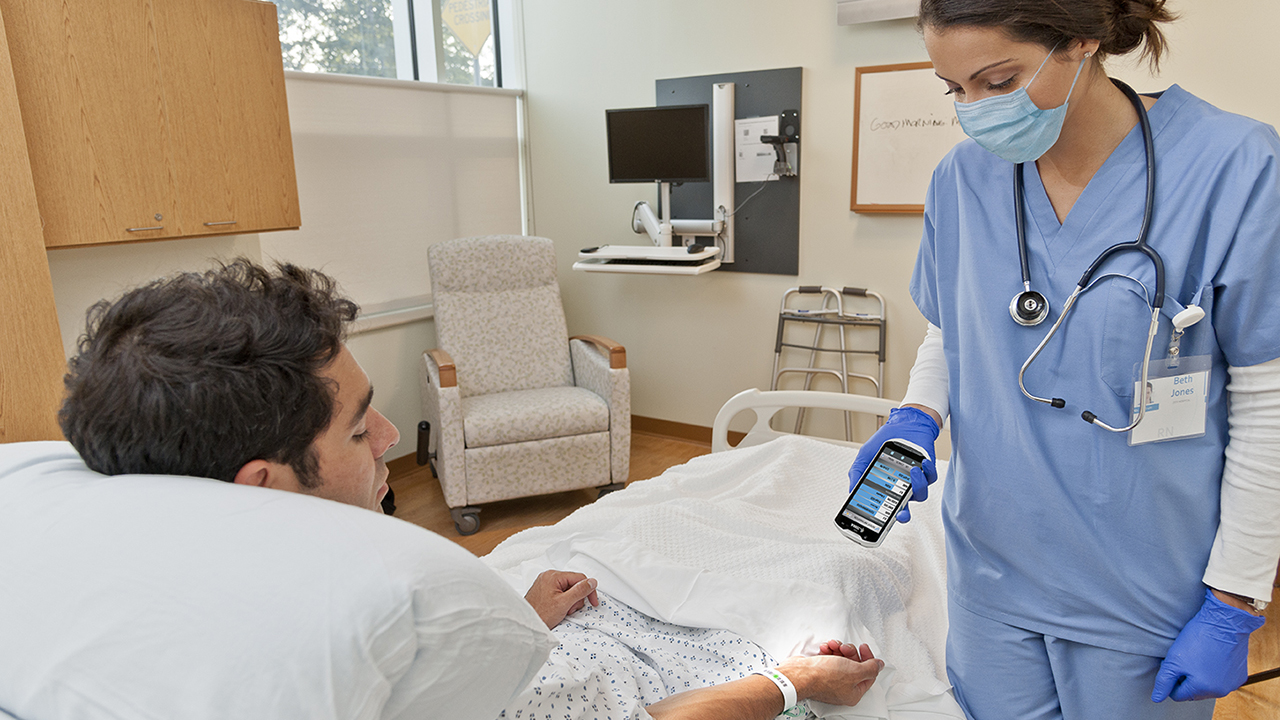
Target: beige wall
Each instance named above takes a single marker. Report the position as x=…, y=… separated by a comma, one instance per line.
x=693, y=342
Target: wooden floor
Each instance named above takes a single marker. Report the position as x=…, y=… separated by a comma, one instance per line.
x=1260, y=701
x=419, y=501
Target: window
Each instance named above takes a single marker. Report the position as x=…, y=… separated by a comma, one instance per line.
x=354, y=37
x=467, y=42
x=451, y=41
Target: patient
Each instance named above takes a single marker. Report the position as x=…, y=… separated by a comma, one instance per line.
x=241, y=374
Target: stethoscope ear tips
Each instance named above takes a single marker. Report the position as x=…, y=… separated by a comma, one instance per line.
x=1029, y=308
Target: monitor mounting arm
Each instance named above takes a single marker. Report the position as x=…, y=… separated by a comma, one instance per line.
x=720, y=228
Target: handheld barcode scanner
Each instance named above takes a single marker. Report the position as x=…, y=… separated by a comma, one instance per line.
x=883, y=489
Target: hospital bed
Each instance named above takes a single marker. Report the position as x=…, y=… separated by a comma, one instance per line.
x=743, y=540
x=149, y=596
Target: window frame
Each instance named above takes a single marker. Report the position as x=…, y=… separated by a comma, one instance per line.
x=422, y=61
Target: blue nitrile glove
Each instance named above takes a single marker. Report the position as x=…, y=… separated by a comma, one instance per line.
x=904, y=423
x=1209, y=657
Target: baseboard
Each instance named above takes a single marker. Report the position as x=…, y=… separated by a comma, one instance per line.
x=678, y=430
x=403, y=464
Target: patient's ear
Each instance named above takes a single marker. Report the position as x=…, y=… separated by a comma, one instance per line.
x=264, y=473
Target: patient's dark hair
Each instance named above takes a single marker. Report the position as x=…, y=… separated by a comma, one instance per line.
x=199, y=373
x=1120, y=26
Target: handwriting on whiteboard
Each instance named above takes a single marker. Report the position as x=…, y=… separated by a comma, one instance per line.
x=911, y=123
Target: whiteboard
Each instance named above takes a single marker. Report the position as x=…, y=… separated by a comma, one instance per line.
x=904, y=124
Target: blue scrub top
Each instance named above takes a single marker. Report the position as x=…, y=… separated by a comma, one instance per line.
x=1054, y=525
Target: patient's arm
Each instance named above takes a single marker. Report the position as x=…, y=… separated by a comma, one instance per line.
x=840, y=675
x=557, y=594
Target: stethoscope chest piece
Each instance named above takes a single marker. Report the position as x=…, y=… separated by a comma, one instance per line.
x=1029, y=308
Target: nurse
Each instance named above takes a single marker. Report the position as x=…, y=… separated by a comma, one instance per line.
x=1093, y=573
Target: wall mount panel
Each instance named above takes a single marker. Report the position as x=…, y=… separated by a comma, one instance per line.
x=767, y=228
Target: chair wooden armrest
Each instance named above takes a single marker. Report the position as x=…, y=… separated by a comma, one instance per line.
x=617, y=353
x=448, y=373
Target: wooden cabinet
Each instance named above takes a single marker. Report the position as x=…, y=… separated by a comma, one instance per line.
x=31, y=363
x=153, y=119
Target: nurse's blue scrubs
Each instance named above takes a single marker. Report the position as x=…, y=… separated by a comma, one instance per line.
x=1073, y=559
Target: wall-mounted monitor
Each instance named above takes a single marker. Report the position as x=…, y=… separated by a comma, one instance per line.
x=660, y=144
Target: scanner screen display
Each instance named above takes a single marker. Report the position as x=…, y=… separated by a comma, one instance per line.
x=881, y=491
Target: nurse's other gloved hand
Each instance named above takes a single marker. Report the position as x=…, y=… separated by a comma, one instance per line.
x=920, y=480
x=904, y=423
x=1209, y=657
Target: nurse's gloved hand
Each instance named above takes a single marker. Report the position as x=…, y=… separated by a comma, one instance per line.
x=904, y=423
x=1209, y=657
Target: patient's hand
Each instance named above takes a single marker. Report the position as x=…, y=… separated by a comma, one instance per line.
x=835, y=647
x=840, y=674
x=557, y=594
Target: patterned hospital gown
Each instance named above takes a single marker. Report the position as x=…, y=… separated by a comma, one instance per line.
x=613, y=661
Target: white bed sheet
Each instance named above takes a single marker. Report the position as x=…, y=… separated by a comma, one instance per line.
x=743, y=541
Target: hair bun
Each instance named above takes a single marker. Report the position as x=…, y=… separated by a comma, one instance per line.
x=1133, y=23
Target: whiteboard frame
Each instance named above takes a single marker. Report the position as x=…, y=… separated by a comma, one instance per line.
x=899, y=208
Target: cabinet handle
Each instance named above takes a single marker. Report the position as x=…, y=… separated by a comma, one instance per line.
x=154, y=227
x=224, y=222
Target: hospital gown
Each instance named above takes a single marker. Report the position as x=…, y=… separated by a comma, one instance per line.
x=613, y=661
x=1053, y=525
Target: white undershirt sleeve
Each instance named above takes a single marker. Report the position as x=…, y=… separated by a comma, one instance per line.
x=929, y=384
x=1247, y=546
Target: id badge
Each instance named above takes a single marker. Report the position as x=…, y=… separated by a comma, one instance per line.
x=1177, y=399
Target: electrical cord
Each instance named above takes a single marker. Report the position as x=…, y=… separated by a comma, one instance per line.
x=763, y=185
x=635, y=209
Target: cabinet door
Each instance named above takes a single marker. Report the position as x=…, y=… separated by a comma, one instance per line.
x=31, y=361
x=224, y=87
x=89, y=86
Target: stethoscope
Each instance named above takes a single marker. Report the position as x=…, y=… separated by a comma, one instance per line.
x=1030, y=308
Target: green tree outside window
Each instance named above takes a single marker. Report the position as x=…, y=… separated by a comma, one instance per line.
x=355, y=37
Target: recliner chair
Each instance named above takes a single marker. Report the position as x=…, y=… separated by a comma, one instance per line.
x=513, y=406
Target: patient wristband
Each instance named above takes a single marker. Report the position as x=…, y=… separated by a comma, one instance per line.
x=789, y=699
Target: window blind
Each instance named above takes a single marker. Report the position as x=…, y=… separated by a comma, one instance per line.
x=385, y=169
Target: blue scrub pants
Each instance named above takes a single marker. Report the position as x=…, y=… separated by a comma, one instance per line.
x=1001, y=672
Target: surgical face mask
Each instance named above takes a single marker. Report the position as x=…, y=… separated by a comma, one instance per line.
x=1011, y=125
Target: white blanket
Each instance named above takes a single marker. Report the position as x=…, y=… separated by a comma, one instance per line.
x=743, y=541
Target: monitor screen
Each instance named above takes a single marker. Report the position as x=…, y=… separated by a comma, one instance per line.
x=661, y=144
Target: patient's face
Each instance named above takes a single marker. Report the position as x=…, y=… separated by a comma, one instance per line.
x=351, y=449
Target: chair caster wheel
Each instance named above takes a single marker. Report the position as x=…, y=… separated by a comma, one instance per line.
x=466, y=520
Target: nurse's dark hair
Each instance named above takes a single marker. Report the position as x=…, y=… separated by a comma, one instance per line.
x=1120, y=26
x=199, y=373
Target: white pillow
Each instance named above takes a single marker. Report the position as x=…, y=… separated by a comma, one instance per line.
x=172, y=597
